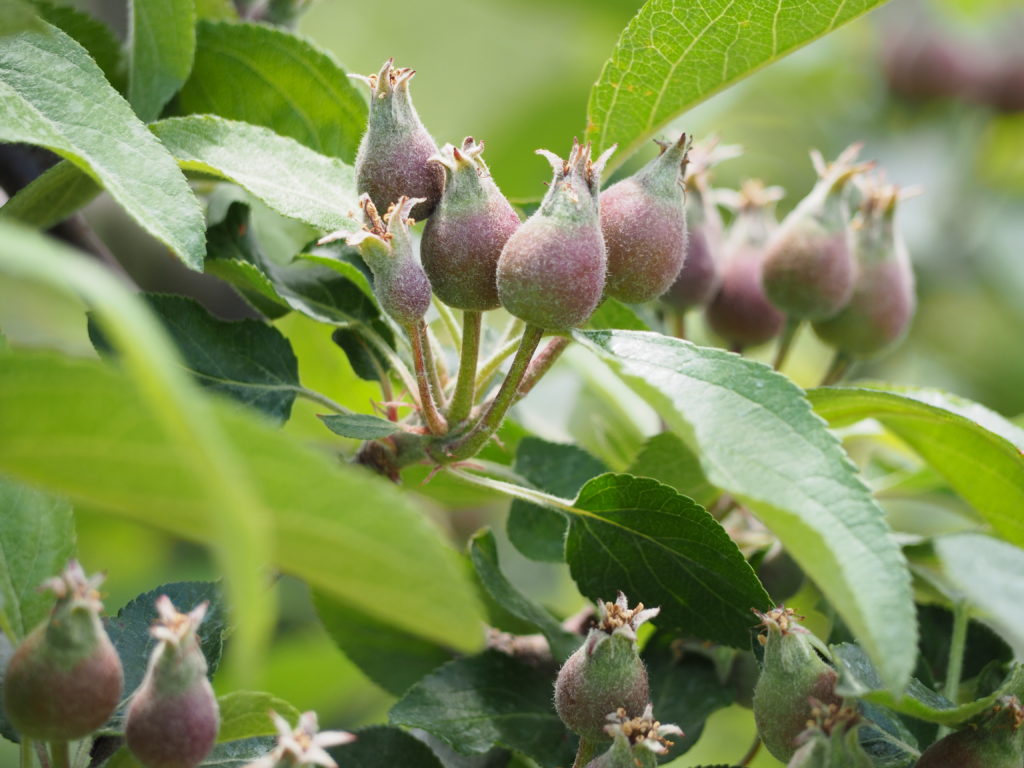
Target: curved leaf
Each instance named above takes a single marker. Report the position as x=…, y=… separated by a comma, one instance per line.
x=52, y=196
x=642, y=537
x=276, y=79
x=758, y=440
x=161, y=44
x=245, y=714
x=79, y=427
x=858, y=678
x=675, y=54
x=982, y=466
x=477, y=702
x=292, y=179
x=98, y=132
x=91, y=33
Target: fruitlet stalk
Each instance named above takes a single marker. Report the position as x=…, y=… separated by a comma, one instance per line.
x=465, y=384
x=60, y=753
x=420, y=353
x=470, y=444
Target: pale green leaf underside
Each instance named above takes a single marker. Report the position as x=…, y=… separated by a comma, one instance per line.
x=986, y=573
x=80, y=427
x=758, y=440
x=982, y=466
x=292, y=179
x=675, y=54
x=98, y=132
x=858, y=678
x=161, y=46
x=52, y=196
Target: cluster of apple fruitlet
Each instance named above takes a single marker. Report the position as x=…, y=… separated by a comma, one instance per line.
x=655, y=235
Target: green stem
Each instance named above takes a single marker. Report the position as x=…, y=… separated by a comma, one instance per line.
x=318, y=397
x=507, y=344
x=541, y=364
x=587, y=751
x=532, y=495
x=465, y=386
x=470, y=444
x=26, y=753
x=435, y=365
x=428, y=405
x=60, y=754
x=786, y=341
x=408, y=380
x=448, y=320
x=751, y=753
x=955, y=663
x=837, y=369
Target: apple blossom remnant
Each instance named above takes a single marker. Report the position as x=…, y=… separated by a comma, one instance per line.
x=305, y=745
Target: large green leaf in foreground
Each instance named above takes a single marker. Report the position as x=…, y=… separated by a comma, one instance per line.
x=80, y=427
x=674, y=54
x=979, y=462
x=98, y=132
x=758, y=440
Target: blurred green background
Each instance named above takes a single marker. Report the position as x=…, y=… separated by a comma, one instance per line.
x=516, y=73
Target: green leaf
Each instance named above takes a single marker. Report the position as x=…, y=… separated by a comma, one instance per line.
x=383, y=746
x=360, y=426
x=216, y=10
x=669, y=460
x=174, y=414
x=675, y=54
x=685, y=689
x=985, y=572
x=483, y=549
x=639, y=536
x=52, y=196
x=17, y=16
x=161, y=44
x=276, y=79
x=38, y=71
x=81, y=428
x=612, y=313
x=247, y=360
x=129, y=631
x=91, y=33
x=244, y=714
x=392, y=658
x=859, y=678
x=479, y=701
x=561, y=470
x=984, y=467
x=37, y=539
x=290, y=178
x=758, y=440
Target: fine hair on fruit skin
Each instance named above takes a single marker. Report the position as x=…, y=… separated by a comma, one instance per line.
x=643, y=220
x=64, y=680
x=173, y=718
x=393, y=159
x=740, y=311
x=551, y=272
x=463, y=239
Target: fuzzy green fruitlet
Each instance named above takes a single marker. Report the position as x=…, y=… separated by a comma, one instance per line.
x=883, y=300
x=643, y=219
x=65, y=678
x=605, y=673
x=740, y=312
x=464, y=237
x=393, y=160
x=995, y=740
x=173, y=719
x=808, y=263
x=793, y=675
x=551, y=271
